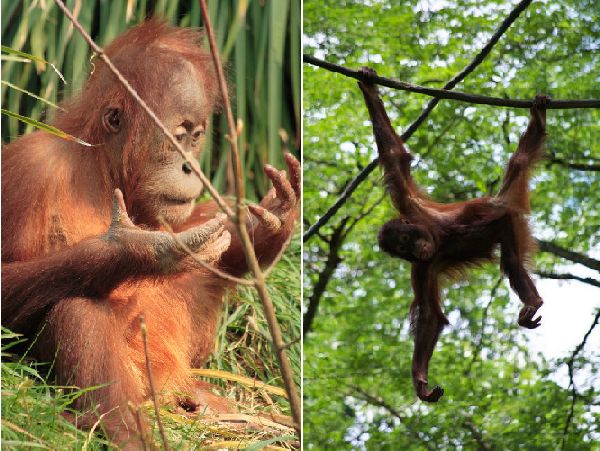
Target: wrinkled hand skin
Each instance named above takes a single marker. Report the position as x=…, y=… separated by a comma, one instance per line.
x=526, y=316
x=366, y=83
x=207, y=241
x=428, y=396
x=280, y=204
x=538, y=110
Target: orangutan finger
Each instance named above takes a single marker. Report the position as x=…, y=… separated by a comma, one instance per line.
x=268, y=219
x=295, y=172
x=282, y=186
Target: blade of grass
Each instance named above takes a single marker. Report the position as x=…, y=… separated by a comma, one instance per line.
x=41, y=99
x=45, y=127
x=31, y=57
x=220, y=374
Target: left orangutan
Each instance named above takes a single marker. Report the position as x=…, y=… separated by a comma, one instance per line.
x=77, y=270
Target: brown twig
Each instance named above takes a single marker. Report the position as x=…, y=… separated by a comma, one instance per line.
x=259, y=278
x=362, y=175
x=144, y=332
x=445, y=93
x=575, y=257
x=571, y=367
x=568, y=276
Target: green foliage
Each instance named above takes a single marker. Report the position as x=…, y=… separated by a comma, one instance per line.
x=498, y=392
x=260, y=45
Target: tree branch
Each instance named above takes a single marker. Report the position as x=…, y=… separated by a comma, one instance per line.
x=331, y=264
x=335, y=242
x=380, y=402
x=566, y=276
x=576, y=166
x=476, y=433
x=570, y=364
x=575, y=257
x=444, y=93
x=362, y=175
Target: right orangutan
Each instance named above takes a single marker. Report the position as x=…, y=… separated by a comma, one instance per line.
x=443, y=239
x=77, y=272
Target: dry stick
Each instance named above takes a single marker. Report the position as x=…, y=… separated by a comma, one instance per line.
x=259, y=280
x=279, y=255
x=445, y=93
x=193, y=164
x=136, y=411
x=362, y=175
x=144, y=332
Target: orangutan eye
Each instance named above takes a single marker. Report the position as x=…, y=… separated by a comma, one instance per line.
x=403, y=238
x=198, y=131
x=180, y=133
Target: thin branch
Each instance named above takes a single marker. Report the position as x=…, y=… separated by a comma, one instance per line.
x=259, y=278
x=362, y=175
x=144, y=332
x=581, y=345
x=380, y=402
x=575, y=257
x=567, y=276
x=364, y=214
x=476, y=434
x=335, y=242
x=445, y=93
x=484, y=316
x=331, y=264
x=193, y=163
x=348, y=190
x=570, y=364
x=575, y=166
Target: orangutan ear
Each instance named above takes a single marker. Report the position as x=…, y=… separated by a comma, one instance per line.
x=111, y=119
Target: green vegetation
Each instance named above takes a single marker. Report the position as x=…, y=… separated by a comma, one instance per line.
x=505, y=387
